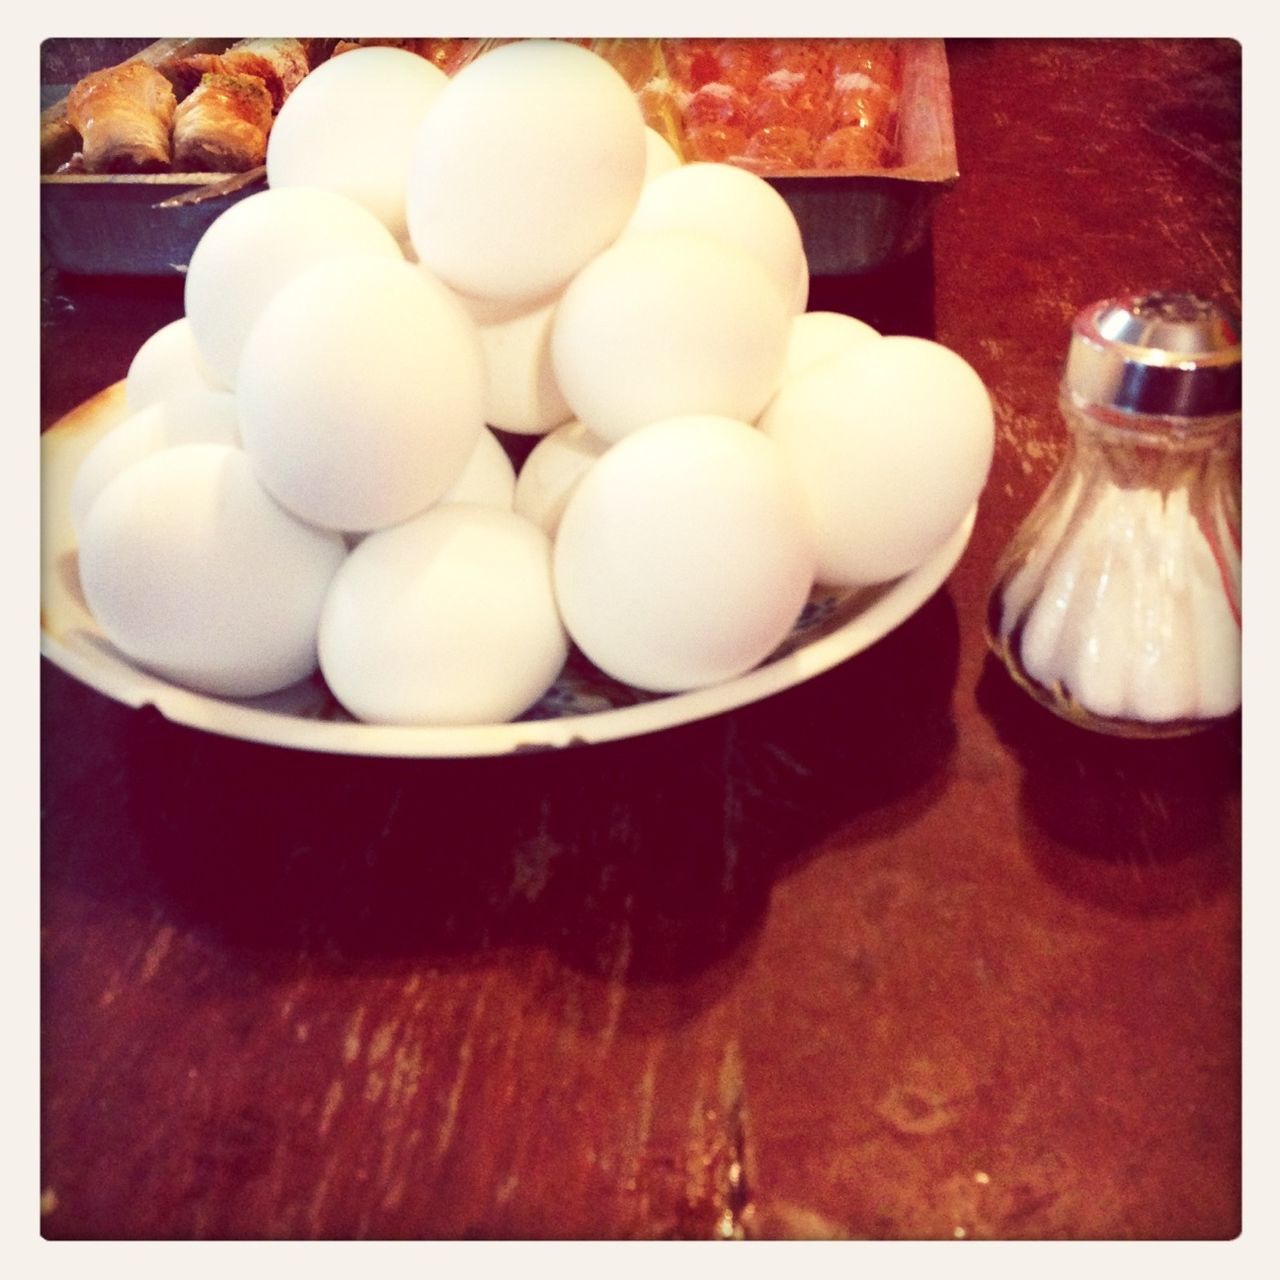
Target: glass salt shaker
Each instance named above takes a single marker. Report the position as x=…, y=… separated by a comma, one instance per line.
x=1117, y=603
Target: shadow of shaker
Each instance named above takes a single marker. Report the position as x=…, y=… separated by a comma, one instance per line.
x=1139, y=827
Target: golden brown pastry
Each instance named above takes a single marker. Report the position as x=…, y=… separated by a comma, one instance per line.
x=279, y=64
x=447, y=53
x=377, y=42
x=59, y=140
x=222, y=126
x=186, y=71
x=317, y=48
x=124, y=116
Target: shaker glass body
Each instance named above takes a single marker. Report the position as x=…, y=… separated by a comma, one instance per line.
x=1117, y=603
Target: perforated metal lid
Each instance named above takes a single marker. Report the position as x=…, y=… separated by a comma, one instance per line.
x=1172, y=354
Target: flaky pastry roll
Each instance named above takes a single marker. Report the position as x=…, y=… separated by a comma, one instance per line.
x=222, y=126
x=279, y=64
x=124, y=116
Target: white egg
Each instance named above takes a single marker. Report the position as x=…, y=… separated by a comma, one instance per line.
x=892, y=442
x=660, y=155
x=521, y=394
x=550, y=472
x=192, y=571
x=685, y=554
x=194, y=417
x=668, y=323
x=735, y=205
x=801, y=299
x=447, y=619
x=361, y=393
x=527, y=165
x=488, y=479
x=167, y=363
x=350, y=125
x=819, y=335
x=260, y=244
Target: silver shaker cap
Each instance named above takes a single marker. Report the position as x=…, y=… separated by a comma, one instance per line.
x=1170, y=354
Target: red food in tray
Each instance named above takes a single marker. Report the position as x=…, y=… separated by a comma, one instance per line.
x=783, y=106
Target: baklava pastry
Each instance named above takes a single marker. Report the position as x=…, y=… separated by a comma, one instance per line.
x=280, y=64
x=222, y=126
x=187, y=70
x=124, y=116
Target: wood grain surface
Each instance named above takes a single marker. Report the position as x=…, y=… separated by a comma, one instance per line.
x=896, y=954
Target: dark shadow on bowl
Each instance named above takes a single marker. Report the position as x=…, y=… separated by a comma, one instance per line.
x=67, y=568
x=1135, y=827
x=648, y=861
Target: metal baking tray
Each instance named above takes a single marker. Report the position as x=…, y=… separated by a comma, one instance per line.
x=851, y=223
x=854, y=223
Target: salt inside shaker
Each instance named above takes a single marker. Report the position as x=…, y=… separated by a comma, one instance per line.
x=1117, y=603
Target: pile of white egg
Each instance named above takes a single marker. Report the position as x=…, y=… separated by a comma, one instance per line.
x=310, y=478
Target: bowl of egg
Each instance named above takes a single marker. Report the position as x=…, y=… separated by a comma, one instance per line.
x=299, y=519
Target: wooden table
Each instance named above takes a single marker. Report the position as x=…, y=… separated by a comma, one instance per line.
x=894, y=954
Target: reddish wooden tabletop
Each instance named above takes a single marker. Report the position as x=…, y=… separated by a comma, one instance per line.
x=894, y=954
